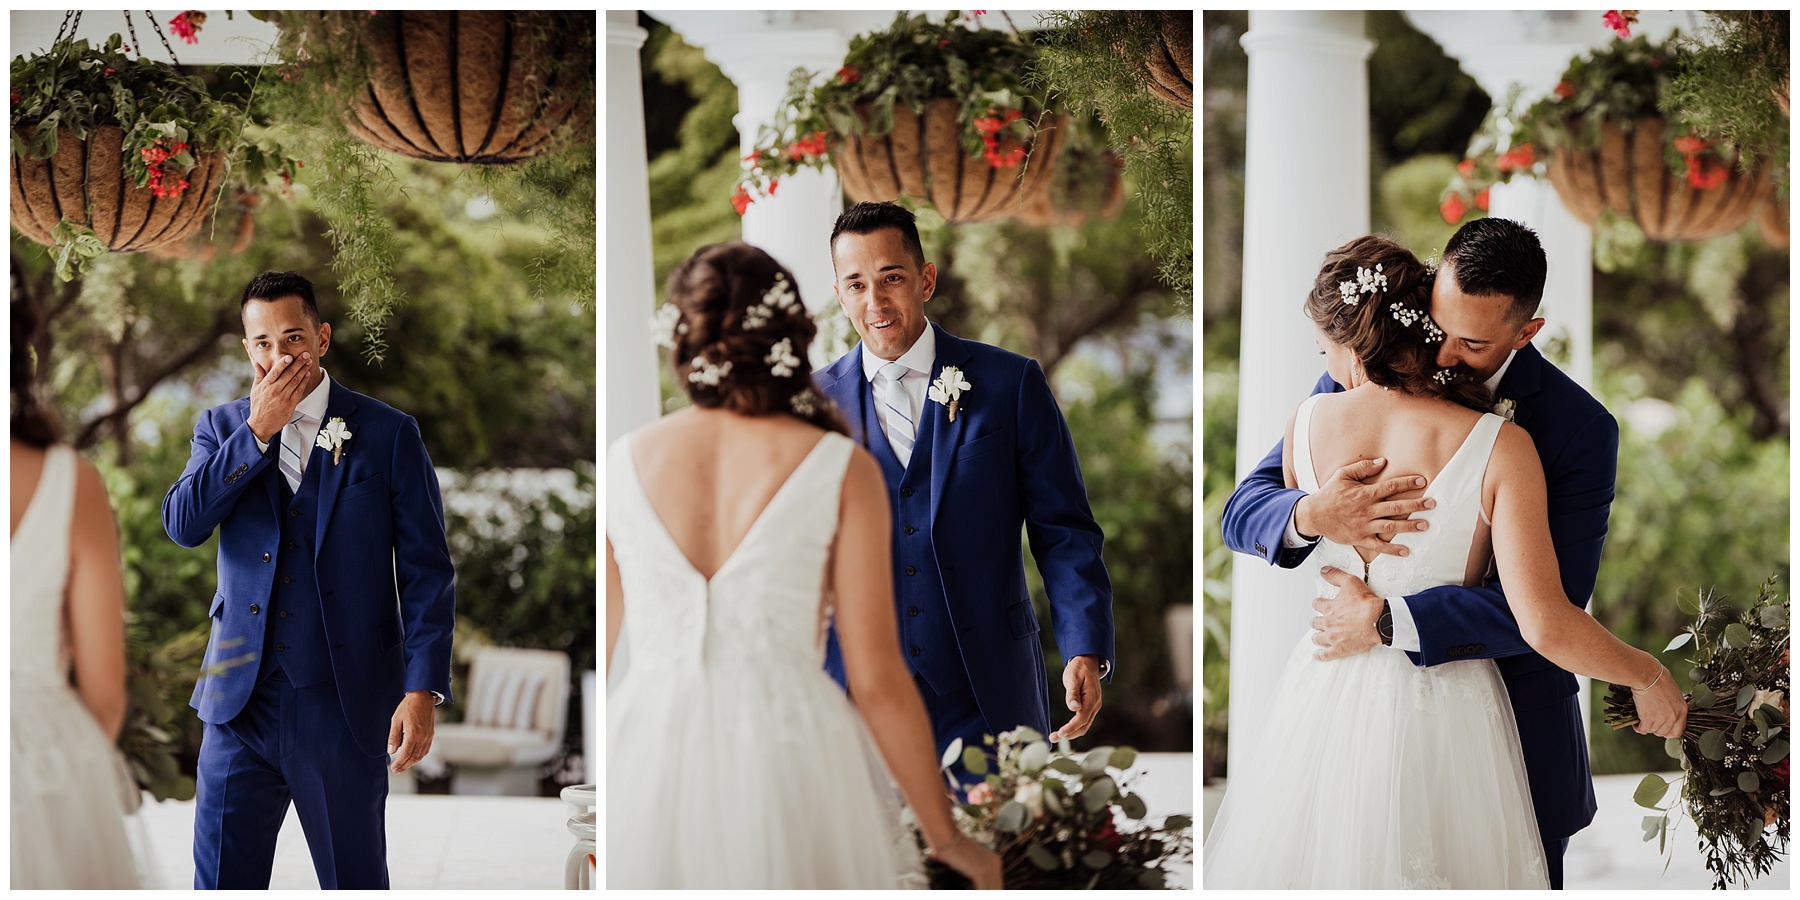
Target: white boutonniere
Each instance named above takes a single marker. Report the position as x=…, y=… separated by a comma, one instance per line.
x=1506, y=408
x=948, y=389
x=332, y=437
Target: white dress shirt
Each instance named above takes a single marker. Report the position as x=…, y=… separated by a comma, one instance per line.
x=919, y=360
x=1406, y=631
x=312, y=417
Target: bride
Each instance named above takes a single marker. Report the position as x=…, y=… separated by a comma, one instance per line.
x=1372, y=773
x=736, y=530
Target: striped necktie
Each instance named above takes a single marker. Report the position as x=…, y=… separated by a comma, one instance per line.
x=901, y=433
x=293, y=459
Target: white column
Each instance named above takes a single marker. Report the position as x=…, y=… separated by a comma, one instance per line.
x=758, y=52
x=1306, y=191
x=633, y=391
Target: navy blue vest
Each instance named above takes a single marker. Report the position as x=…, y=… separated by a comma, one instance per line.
x=927, y=636
x=294, y=635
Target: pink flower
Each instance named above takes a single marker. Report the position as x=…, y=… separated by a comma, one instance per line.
x=981, y=794
x=186, y=25
x=1620, y=21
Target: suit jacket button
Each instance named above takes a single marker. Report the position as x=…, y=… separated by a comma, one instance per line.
x=911, y=571
x=1480, y=648
x=254, y=609
x=293, y=514
x=280, y=646
x=282, y=613
x=266, y=557
x=907, y=492
x=910, y=529
x=916, y=651
x=242, y=468
x=1261, y=549
x=287, y=579
x=912, y=610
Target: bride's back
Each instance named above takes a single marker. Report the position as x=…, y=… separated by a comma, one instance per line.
x=1416, y=435
x=710, y=474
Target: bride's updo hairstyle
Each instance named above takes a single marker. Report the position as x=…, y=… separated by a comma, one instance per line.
x=1389, y=328
x=741, y=337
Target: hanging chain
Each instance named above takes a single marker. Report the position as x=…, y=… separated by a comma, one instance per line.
x=132, y=27
x=160, y=36
x=71, y=23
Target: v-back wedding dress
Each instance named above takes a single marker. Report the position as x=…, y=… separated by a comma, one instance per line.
x=1371, y=772
x=733, y=760
x=68, y=820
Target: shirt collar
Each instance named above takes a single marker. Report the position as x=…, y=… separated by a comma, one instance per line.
x=313, y=407
x=1493, y=383
x=919, y=357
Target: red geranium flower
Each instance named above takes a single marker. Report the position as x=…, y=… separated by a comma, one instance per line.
x=1481, y=199
x=1520, y=157
x=1691, y=144
x=740, y=200
x=849, y=75
x=811, y=145
x=1707, y=175
x=1565, y=90
x=1466, y=168
x=186, y=25
x=772, y=183
x=1620, y=21
x=1452, y=209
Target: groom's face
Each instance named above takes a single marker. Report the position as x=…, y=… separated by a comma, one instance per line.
x=281, y=327
x=882, y=287
x=1480, y=331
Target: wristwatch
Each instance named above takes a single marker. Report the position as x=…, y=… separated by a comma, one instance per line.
x=1384, y=625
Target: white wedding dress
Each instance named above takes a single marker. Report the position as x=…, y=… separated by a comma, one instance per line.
x=732, y=759
x=1373, y=773
x=68, y=787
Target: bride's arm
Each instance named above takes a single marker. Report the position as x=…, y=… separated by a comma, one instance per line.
x=615, y=604
x=96, y=604
x=880, y=683
x=1557, y=629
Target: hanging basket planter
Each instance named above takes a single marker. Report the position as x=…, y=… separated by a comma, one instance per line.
x=1087, y=183
x=1772, y=222
x=1629, y=174
x=475, y=87
x=1171, y=62
x=923, y=157
x=85, y=183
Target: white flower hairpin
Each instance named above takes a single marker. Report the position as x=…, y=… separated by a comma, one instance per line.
x=703, y=371
x=804, y=403
x=665, y=324
x=1367, y=281
x=781, y=359
x=1409, y=316
x=778, y=299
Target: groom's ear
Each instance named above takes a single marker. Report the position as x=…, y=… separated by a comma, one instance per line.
x=1527, y=333
x=928, y=279
x=324, y=337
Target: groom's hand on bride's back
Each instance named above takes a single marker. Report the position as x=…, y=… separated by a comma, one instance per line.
x=1353, y=507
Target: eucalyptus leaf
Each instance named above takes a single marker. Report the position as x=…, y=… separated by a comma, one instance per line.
x=1712, y=745
x=1680, y=641
x=1042, y=858
x=1097, y=859
x=1151, y=879
x=1123, y=757
x=951, y=753
x=1177, y=823
x=1744, y=695
x=1652, y=825
x=1650, y=791
x=1012, y=817
x=1095, y=796
x=1054, y=803
x=1065, y=765
x=1775, y=752
x=1737, y=636
x=1672, y=747
x=1096, y=760
x=1033, y=758
x=974, y=760
x=1748, y=782
x=1698, y=674
x=1704, y=698
x=1687, y=604
x=1722, y=791
x=1133, y=806
x=1772, y=617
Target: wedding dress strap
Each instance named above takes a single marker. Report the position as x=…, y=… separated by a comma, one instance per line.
x=1304, y=476
x=1463, y=474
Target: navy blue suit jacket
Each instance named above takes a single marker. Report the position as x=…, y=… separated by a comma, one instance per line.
x=1006, y=463
x=386, y=584
x=1578, y=442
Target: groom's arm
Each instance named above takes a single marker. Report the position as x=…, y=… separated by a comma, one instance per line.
x=1065, y=540
x=423, y=572
x=217, y=472
x=1455, y=623
x=1258, y=519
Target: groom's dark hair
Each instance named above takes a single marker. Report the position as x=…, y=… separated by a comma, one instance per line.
x=276, y=285
x=868, y=218
x=1492, y=257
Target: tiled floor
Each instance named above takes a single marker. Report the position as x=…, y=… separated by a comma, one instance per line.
x=434, y=842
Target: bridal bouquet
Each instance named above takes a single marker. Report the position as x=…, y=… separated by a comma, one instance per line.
x=1734, y=753
x=1053, y=817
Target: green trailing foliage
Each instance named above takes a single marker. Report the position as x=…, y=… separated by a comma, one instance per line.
x=1735, y=83
x=1094, y=62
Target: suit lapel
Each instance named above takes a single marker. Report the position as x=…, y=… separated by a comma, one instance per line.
x=331, y=476
x=1523, y=379
x=843, y=383
x=945, y=434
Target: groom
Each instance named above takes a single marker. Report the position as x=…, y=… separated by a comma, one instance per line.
x=974, y=449
x=1485, y=299
x=332, y=624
